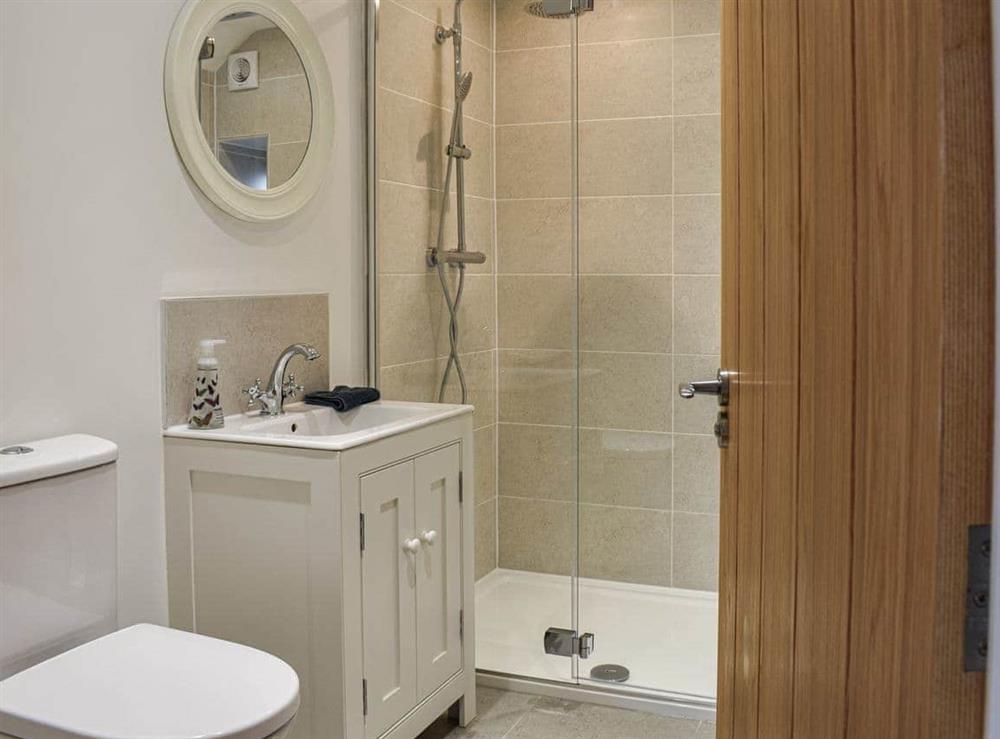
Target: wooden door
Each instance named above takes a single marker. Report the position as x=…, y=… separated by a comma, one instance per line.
x=858, y=317
x=439, y=567
x=388, y=580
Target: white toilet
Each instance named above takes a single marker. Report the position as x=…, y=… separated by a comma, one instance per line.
x=65, y=672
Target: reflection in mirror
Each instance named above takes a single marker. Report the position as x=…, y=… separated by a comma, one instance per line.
x=254, y=100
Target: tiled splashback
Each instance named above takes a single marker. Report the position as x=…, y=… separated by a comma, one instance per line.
x=256, y=329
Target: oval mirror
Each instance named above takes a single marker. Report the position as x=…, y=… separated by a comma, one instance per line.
x=249, y=104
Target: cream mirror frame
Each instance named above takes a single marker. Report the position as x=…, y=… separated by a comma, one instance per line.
x=181, y=70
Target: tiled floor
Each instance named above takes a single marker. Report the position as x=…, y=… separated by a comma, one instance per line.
x=504, y=715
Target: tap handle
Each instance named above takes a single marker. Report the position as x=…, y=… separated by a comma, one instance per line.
x=253, y=393
x=290, y=389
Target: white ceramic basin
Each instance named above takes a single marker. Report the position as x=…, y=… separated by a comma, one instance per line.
x=315, y=427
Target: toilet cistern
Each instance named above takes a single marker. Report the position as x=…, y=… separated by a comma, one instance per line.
x=272, y=400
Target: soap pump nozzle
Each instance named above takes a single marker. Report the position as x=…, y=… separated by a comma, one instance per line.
x=206, y=353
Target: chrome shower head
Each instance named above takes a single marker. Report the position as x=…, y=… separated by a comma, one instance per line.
x=551, y=8
x=463, y=86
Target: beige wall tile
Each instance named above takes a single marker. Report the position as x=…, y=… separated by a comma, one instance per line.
x=477, y=16
x=411, y=139
x=484, y=440
x=517, y=29
x=697, y=154
x=256, y=329
x=537, y=461
x=276, y=56
x=407, y=219
x=696, y=474
x=696, y=551
x=534, y=236
x=406, y=223
x=625, y=391
x=625, y=544
x=696, y=16
x=610, y=153
x=283, y=161
x=478, y=169
x=625, y=235
x=207, y=113
x=694, y=415
x=625, y=468
x=617, y=20
x=281, y=108
x=477, y=313
x=416, y=382
x=625, y=79
x=697, y=314
x=536, y=535
x=486, y=538
x=697, y=75
x=480, y=379
x=411, y=324
x=411, y=61
x=534, y=161
x=479, y=103
x=537, y=386
x=533, y=85
x=625, y=314
x=536, y=312
x=697, y=234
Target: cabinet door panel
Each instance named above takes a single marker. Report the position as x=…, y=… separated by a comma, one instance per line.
x=439, y=577
x=388, y=575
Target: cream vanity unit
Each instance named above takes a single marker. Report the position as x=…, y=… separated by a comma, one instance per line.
x=342, y=543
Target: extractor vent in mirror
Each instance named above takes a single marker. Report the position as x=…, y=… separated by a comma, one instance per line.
x=243, y=70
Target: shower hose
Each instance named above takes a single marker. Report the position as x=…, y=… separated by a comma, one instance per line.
x=453, y=302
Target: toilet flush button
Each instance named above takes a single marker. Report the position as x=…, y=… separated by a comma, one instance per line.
x=16, y=450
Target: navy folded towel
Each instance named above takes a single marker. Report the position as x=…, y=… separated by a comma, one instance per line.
x=343, y=398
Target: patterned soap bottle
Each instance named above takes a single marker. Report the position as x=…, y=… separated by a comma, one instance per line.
x=206, y=407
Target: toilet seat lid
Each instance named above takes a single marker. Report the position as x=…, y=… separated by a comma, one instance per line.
x=151, y=682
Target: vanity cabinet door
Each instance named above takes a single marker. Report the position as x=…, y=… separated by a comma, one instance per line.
x=439, y=564
x=388, y=570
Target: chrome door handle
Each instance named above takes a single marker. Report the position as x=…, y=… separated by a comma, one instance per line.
x=719, y=387
x=411, y=546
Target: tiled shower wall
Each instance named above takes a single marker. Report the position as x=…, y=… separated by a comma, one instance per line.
x=415, y=98
x=649, y=174
x=648, y=274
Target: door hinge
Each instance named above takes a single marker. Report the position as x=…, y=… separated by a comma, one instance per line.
x=362, y=532
x=461, y=624
x=567, y=642
x=461, y=488
x=977, y=599
x=364, y=697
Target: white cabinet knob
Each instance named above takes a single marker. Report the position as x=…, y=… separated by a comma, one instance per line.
x=411, y=546
x=429, y=537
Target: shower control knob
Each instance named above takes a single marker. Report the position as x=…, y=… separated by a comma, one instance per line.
x=411, y=546
x=429, y=537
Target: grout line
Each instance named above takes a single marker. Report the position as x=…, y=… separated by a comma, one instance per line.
x=571, y=501
x=604, y=428
x=604, y=43
x=430, y=189
x=436, y=23
x=565, y=198
x=465, y=116
x=665, y=116
x=496, y=308
x=673, y=292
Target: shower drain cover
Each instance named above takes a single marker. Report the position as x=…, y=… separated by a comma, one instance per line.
x=610, y=673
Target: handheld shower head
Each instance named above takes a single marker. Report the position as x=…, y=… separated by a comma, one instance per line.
x=463, y=86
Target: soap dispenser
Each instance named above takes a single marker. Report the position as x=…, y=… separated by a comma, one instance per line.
x=206, y=406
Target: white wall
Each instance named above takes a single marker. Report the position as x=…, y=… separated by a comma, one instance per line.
x=98, y=221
